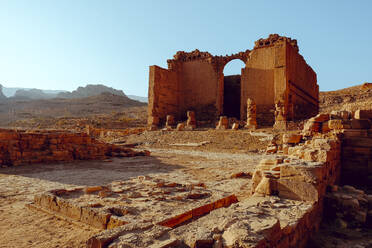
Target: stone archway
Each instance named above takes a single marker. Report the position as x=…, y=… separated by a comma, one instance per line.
x=232, y=87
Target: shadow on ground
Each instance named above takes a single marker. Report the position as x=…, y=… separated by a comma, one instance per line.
x=93, y=172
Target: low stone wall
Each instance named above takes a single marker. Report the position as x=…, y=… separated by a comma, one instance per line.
x=29, y=147
x=356, y=137
x=303, y=172
x=331, y=148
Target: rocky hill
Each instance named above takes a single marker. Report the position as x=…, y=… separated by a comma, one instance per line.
x=33, y=94
x=351, y=99
x=90, y=90
x=27, y=110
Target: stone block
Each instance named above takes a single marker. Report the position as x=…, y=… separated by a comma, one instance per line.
x=292, y=138
x=305, y=173
x=235, y=126
x=93, y=217
x=339, y=124
x=297, y=190
x=180, y=127
x=321, y=118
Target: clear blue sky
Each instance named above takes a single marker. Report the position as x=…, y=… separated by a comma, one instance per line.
x=52, y=44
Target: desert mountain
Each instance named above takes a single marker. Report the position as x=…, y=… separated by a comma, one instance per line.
x=33, y=94
x=90, y=90
x=11, y=91
x=350, y=99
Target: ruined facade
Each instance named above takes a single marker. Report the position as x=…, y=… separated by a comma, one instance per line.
x=274, y=71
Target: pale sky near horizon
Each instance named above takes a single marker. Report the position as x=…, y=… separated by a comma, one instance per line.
x=50, y=44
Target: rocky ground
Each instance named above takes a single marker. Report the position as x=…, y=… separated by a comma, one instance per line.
x=350, y=99
x=24, y=227
x=221, y=159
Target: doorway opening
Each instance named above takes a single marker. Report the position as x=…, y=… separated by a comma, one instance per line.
x=232, y=88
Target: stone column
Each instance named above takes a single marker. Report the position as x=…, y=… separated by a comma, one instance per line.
x=191, y=120
x=223, y=123
x=169, y=121
x=251, y=114
x=280, y=118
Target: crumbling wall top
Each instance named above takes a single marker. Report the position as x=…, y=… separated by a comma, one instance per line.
x=272, y=39
x=217, y=61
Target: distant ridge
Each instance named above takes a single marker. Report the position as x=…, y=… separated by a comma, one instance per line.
x=90, y=90
x=11, y=91
x=2, y=96
x=138, y=98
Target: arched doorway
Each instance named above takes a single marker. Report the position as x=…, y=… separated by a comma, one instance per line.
x=232, y=88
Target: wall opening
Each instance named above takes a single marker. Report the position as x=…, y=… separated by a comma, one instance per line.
x=232, y=88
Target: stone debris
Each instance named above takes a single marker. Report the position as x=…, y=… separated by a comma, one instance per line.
x=285, y=199
x=235, y=126
x=180, y=127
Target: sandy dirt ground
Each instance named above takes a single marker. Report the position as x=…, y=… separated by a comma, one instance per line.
x=24, y=227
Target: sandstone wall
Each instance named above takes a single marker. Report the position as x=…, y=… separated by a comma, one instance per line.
x=303, y=94
x=258, y=84
x=163, y=94
x=20, y=147
x=199, y=88
x=274, y=72
x=356, y=155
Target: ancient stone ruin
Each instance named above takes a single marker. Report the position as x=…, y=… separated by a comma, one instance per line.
x=274, y=73
x=19, y=147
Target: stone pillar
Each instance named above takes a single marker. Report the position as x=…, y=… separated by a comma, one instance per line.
x=280, y=118
x=153, y=123
x=169, y=121
x=191, y=121
x=223, y=123
x=251, y=114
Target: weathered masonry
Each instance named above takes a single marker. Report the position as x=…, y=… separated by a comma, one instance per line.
x=276, y=77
